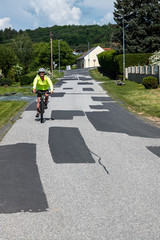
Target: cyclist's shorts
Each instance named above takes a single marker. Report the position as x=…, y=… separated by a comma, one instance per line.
x=42, y=91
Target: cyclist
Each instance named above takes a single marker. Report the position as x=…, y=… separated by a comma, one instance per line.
x=42, y=83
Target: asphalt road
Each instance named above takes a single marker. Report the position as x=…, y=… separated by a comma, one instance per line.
x=89, y=172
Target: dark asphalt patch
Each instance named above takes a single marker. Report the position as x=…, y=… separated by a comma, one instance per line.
x=85, y=79
x=85, y=83
x=57, y=94
x=20, y=184
x=103, y=106
x=70, y=79
x=65, y=114
x=101, y=99
x=98, y=107
x=88, y=89
x=59, y=83
x=32, y=107
x=155, y=150
x=119, y=120
x=68, y=146
x=67, y=88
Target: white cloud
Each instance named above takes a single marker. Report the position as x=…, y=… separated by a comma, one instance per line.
x=100, y=4
x=108, y=18
x=97, y=12
x=5, y=23
x=57, y=12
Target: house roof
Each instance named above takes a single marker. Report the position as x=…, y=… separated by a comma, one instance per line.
x=107, y=49
x=86, y=53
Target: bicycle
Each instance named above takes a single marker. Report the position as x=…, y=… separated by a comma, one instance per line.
x=42, y=105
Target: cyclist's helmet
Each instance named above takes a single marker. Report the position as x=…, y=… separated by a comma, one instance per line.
x=41, y=70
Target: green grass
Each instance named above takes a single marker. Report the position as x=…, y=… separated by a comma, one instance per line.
x=98, y=76
x=9, y=109
x=133, y=96
x=18, y=89
x=56, y=76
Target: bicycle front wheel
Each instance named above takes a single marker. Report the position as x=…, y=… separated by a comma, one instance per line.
x=41, y=110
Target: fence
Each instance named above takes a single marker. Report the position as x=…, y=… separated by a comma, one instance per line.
x=137, y=73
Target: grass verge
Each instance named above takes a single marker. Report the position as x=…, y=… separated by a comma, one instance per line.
x=16, y=89
x=9, y=109
x=133, y=96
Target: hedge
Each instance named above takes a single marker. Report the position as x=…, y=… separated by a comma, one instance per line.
x=111, y=62
x=107, y=61
x=134, y=59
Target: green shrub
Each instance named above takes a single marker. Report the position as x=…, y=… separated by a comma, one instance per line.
x=107, y=62
x=5, y=81
x=25, y=80
x=150, y=82
x=120, y=77
x=28, y=78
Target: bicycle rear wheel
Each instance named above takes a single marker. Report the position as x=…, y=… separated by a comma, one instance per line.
x=41, y=110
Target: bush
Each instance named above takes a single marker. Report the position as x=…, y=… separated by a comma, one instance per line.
x=150, y=82
x=25, y=80
x=5, y=81
x=120, y=77
x=28, y=78
x=107, y=62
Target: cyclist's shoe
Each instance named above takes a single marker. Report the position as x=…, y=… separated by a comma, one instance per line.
x=37, y=115
x=45, y=106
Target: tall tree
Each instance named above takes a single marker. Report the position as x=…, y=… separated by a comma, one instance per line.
x=141, y=25
x=42, y=53
x=23, y=49
x=7, y=58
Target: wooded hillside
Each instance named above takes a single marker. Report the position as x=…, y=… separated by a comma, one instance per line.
x=77, y=37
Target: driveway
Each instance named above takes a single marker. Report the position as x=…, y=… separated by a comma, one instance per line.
x=89, y=172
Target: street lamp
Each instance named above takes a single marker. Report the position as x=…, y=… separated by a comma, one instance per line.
x=59, y=53
x=123, y=51
x=51, y=53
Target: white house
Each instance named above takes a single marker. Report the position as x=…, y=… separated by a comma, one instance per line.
x=89, y=59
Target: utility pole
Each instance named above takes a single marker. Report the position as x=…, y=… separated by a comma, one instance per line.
x=88, y=55
x=123, y=51
x=51, y=53
x=59, y=51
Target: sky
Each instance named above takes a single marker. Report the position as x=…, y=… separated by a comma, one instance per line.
x=31, y=14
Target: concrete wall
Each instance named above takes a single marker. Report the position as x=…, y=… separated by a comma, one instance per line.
x=137, y=73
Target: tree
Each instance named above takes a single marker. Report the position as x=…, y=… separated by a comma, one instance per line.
x=42, y=54
x=155, y=58
x=7, y=58
x=141, y=25
x=22, y=46
x=66, y=54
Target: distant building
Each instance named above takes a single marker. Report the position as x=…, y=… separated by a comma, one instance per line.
x=76, y=53
x=108, y=49
x=89, y=59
